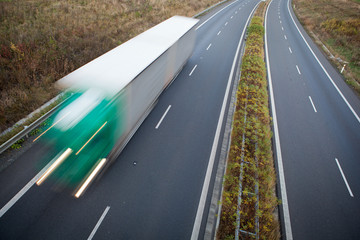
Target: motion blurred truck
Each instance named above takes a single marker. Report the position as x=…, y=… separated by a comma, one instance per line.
x=110, y=98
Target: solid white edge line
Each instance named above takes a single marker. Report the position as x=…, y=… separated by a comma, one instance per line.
x=343, y=176
x=312, y=104
x=284, y=199
x=327, y=74
x=26, y=188
x=204, y=192
x=298, y=69
x=163, y=116
x=98, y=223
x=215, y=15
x=192, y=70
x=208, y=47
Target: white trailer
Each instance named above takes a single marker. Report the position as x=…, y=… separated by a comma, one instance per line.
x=116, y=91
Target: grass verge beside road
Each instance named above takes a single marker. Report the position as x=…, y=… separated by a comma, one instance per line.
x=42, y=41
x=336, y=24
x=250, y=169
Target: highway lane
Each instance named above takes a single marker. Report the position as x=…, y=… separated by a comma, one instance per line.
x=153, y=189
x=319, y=133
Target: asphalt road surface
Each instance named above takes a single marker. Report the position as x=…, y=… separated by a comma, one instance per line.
x=153, y=189
x=319, y=133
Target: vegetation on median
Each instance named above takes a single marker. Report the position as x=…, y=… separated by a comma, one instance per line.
x=336, y=24
x=251, y=149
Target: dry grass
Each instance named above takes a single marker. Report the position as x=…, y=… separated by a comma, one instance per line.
x=250, y=152
x=260, y=11
x=42, y=41
x=337, y=24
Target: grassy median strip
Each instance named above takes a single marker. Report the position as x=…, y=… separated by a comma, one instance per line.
x=250, y=169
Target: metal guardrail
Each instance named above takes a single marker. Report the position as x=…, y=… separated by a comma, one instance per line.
x=29, y=128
